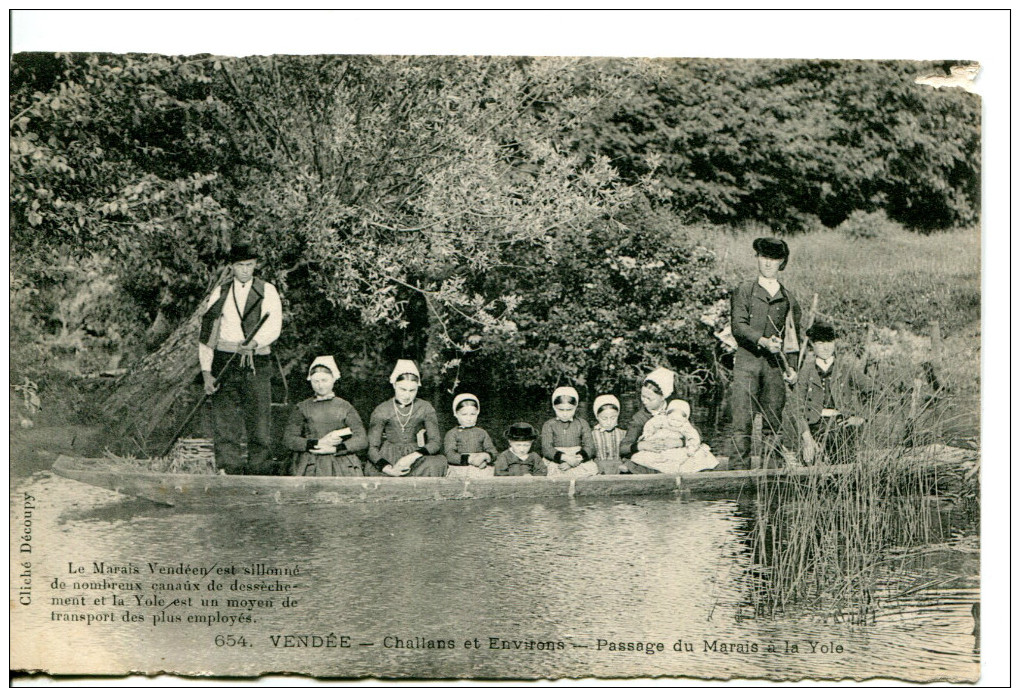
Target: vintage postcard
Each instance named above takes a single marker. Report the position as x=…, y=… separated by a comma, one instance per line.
x=348, y=365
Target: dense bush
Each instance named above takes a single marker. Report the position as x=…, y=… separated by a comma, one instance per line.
x=610, y=305
x=864, y=225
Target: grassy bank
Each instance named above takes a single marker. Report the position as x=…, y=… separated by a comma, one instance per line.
x=897, y=279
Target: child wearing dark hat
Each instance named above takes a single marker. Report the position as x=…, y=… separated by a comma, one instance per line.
x=519, y=459
x=764, y=317
x=824, y=399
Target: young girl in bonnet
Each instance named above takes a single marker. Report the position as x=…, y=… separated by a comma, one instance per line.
x=468, y=448
x=403, y=432
x=607, y=435
x=325, y=432
x=567, y=444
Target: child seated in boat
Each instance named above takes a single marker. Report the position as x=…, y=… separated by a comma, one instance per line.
x=403, y=432
x=324, y=431
x=671, y=444
x=607, y=435
x=468, y=448
x=567, y=444
x=519, y=459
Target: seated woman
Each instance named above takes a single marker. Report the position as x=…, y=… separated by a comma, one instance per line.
x=656, y=388
x=324, y=431
x=403, y=433
x=670, y=444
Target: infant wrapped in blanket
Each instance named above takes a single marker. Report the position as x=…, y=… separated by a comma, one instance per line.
x=670, y=444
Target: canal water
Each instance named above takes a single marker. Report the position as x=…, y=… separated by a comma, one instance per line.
x=511, y=588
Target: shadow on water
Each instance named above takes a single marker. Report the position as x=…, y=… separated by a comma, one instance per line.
x=126, y=510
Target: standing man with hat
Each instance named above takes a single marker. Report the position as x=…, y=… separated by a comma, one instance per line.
x=237, y=374
x=764, y=317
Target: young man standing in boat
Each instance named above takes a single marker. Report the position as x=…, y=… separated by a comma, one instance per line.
x=764, y=317
x=237, y=374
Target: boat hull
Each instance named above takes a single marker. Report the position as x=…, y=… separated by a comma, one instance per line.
x=191, y=490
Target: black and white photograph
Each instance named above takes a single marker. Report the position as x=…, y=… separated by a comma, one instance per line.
x=338, y=359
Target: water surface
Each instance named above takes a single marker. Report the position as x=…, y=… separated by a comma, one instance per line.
x=552, y=576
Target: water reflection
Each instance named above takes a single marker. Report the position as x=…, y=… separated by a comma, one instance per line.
x=659, y=569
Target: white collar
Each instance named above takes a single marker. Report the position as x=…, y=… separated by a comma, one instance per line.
x=769, y=285
x=825, y=363
x=242, y=285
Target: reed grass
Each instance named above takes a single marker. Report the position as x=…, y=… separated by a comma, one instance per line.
x=827, y=542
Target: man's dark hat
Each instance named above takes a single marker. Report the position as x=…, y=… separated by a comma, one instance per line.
x=521, y=432
x=771, y=247
x=242, y=251
x=822, y=332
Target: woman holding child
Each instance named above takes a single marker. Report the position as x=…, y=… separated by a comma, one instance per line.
x=661, y=438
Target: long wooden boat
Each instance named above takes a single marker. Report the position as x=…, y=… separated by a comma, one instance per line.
x=196, y=490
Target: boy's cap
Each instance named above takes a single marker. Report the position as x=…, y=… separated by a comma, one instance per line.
x=242, y=251
x=822, y=332
x=521, y=432
x=770, y=247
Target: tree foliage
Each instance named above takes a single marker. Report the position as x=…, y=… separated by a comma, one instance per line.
x=480, y=211
x=790, y=142
x=395, y=182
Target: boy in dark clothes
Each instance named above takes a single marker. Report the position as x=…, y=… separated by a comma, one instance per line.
x=519, y=459
x=825, y=400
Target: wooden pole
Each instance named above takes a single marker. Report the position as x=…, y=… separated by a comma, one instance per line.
x=935, y=365
x=191, y=414
x=808, y=322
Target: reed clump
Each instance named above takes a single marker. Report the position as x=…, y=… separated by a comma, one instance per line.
x=827, y=541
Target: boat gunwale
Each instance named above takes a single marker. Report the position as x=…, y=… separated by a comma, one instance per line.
x=66, y=464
